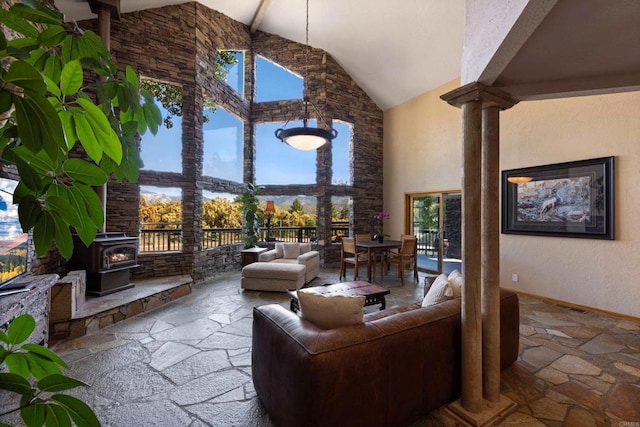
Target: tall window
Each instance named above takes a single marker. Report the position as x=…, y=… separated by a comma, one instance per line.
x=221, y=219
x=277, y=162
x=340, y=214
x=340, y=153
x=163, y=151
x=230, y=68
x=223, y=135
x=160, y=219
x=274, y=82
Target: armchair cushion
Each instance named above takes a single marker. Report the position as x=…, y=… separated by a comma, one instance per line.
x=291, y=250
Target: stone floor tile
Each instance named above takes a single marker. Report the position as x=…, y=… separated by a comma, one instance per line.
x=628, y=369
x=195, y=330
x=602, y=344
x=540, y=356
x=585, y=397
x=222, y=340
x=248, y=413
x=552, y=375
x=579, y=417
x=207, y=387
x=595, y=383
x=580, y=332
x=154, y=413
x=198, y=365
x=548, y=409
x=159, y=326
x=628, y=325
x=624, y=401
x=131, y=382
x=518, y=419
x=171, y=353
x=557, y=333
x=223, y=319
x=575, y=365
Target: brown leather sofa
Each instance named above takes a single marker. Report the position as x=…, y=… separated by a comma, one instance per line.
x=400, y=364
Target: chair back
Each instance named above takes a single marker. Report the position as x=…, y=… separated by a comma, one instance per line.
x=409, y=245
x=348, y=245
x=365, y=237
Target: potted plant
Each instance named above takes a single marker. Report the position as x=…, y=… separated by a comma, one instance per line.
x=250, y=215
x=379, y=230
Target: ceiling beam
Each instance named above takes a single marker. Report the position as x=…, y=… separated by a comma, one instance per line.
x=257, y=18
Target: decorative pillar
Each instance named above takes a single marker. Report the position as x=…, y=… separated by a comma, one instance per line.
x=490, y=253
x=480, y=315
x=471, y=250
x=105, y=9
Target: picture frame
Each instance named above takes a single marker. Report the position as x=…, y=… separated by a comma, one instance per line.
x=572, y=199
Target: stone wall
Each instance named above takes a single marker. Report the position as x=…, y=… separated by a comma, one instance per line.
x=177, y=44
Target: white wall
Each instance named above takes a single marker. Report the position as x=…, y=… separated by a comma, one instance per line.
x=422, y=149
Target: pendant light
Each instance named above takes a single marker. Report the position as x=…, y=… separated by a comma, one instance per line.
x=305, y=137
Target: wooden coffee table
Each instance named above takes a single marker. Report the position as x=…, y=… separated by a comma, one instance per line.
x=373, y=294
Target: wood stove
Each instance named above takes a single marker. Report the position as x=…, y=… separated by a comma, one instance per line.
x=107, y=262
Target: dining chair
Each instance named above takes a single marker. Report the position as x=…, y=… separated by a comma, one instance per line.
x=406, y=257
x=351, y=255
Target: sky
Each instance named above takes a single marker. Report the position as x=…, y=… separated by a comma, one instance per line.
x=276, y=162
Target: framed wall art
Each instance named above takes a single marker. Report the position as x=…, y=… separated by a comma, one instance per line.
x=573, y=199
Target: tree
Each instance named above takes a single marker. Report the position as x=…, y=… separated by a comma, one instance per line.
x=48, y=110
x=296, y=207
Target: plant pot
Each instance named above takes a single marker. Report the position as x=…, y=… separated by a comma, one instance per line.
x=380, y=239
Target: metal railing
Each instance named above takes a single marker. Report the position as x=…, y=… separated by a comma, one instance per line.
x=167, y=237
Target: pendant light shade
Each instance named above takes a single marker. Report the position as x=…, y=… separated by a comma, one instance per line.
x=306, y=138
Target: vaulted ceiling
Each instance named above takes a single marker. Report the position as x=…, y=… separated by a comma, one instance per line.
x=394, y=50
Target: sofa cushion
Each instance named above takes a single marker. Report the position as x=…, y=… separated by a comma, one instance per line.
x=284, y=271
x=456, y=280
x=330, y=311
x=291, y=250
x=304, y=248
x=440, y=292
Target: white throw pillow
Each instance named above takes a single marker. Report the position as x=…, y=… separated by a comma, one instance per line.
x=291, y=250
x=279, y=250
x=440, y=292
x=330, y=311
x=456, y=280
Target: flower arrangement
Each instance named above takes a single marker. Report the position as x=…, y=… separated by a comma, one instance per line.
x=379, y=231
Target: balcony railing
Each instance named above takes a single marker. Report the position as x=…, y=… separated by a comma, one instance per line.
x=167, y=237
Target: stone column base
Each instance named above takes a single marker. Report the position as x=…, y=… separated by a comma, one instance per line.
x=490, y=414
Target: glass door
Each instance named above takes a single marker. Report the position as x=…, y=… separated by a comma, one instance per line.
x=436, y=220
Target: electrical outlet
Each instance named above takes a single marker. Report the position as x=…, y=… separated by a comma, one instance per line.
x=514, y=278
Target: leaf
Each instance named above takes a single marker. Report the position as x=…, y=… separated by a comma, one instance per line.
x=52, y=36
x=46, y=353
x=25, y=75
x=15, y=383
x=63, y=208
x=33, y=415
x=87, y=137
x=28, y=175
x=52, y=87
x=53, y=68
x=57, y=382
x=84, y=172
x=40, y=15
x=4, y=338
x=57, y=416
x=150, y=117
x=43, y=232
x=80, y=412
x=21, y=328
x=71, y=78
x=39, y=161
x=17, y=364
x=108, y=138
x=28, y=211
x=41, y=367
x=62, y=236
x=17, y=23
x=94, y=205
x=91, y=46
x=39, y=126
x=66, y=117
x=132, y=77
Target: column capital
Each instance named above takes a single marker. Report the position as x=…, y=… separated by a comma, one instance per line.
x=476, y=91
x=112, y=5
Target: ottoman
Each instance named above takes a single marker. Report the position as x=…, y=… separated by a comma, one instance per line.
x=272, y=276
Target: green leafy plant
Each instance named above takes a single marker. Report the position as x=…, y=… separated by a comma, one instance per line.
x=34, y=374
x=50, y=109
x=250, y=214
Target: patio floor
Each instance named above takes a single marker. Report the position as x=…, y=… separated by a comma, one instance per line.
x=188, y=363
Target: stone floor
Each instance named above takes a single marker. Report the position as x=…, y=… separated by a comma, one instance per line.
x=188, y=363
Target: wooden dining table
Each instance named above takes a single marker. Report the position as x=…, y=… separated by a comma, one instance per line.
x=373, y=246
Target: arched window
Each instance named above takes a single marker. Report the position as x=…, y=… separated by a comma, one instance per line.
x=275, y=83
